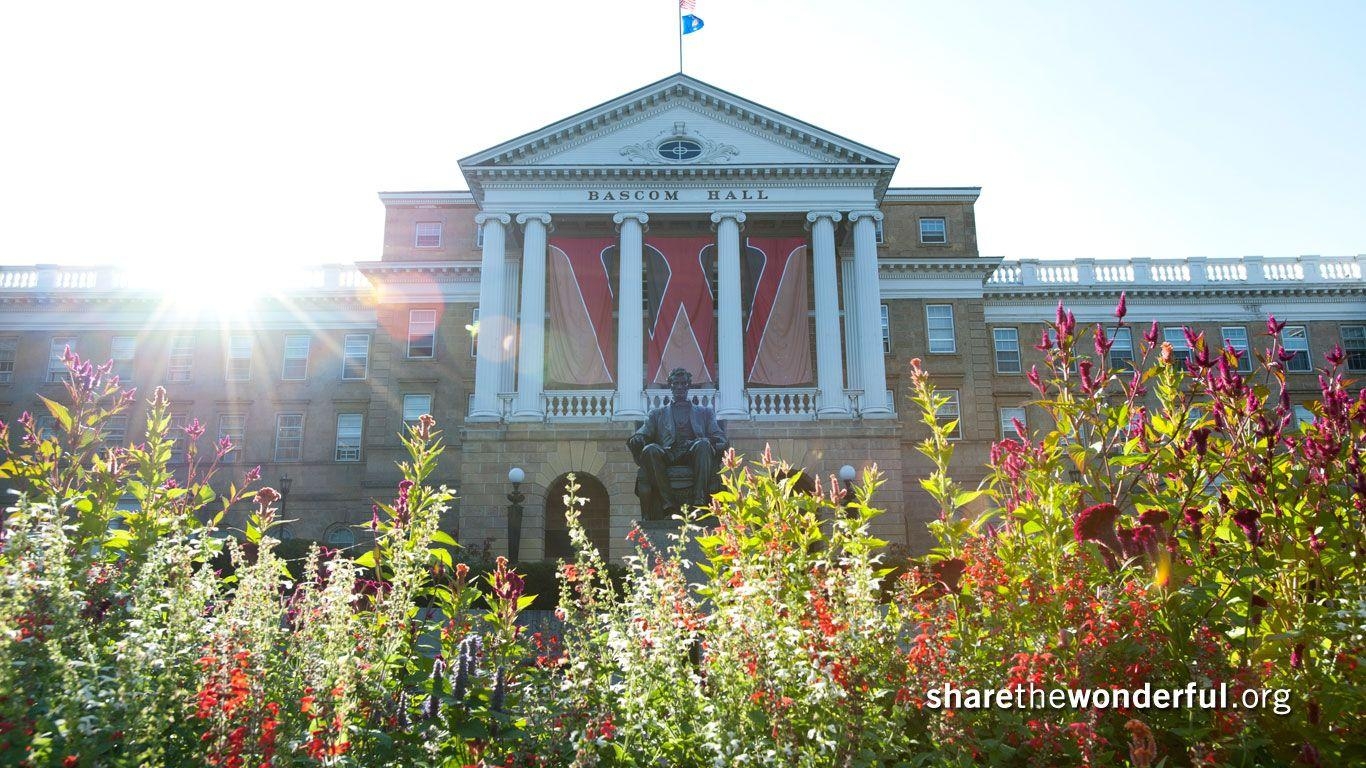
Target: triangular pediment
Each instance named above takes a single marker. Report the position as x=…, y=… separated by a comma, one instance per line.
x=676, y=123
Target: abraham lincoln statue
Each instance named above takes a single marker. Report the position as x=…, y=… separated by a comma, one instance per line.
x=678, y=449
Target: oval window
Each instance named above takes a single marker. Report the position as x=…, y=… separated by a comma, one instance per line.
x=680, y=149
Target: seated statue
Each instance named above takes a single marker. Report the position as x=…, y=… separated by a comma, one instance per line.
x=678, y=449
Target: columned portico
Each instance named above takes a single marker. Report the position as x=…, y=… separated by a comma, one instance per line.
x=531, y=349
x=829, y=374
x=630, y=402
x=868, y=306
x=490, y=351
x=730, y=362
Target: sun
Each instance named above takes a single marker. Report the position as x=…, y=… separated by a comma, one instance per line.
x=227, y=294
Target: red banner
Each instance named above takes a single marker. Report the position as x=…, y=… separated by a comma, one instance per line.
x=681, y=320
x=777, y=325
x=580, y=348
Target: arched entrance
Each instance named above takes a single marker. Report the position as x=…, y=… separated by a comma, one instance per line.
x=596, y=517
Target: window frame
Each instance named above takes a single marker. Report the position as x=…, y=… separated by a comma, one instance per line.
x=1354, y=347
x=996, y=349
x=885, y=318
x=238, y=435
x=1181, y=349
x=1008, y=427
x=353, y=454
x=930, y=331
x=9, y=358
x=123, y=364
x=879, y=231
x=280, y=428
x=56, y=358
x=180, y=442
x=474, y=337
x=943, y=230
x=403, y=413
x=185, y=355
x=956, y=403
x=234, y=359
x=418, y=234
x=1116, y=333
x=413, y=321
x=365, y=371
x=1245, y=360
x=1301, y=333
x=287, y=359
x=110, y=431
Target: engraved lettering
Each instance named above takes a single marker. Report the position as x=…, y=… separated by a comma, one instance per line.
x=592, y=195
x=670, y=195
x=713, y=194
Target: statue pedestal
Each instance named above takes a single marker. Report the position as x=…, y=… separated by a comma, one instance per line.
x=659, y=532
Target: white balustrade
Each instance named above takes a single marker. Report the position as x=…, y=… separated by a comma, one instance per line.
x=578, y=404
x=655, y=398
x=782, y=404
x=18, y=278
x=1165, y=273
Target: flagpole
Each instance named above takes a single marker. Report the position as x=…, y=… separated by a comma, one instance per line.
x=678, y=27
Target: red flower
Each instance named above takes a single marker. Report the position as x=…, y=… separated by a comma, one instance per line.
x=266, y=496
x=1097, y=523
x=1249, y=520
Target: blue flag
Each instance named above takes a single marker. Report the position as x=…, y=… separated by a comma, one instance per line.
x=691, y=23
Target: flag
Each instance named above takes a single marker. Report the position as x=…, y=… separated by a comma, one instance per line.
x=687, y=5
x=691, y=24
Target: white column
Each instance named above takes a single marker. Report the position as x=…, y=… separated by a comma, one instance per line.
x=531, y=350
x=631, y=318
x=490, y=352
x=868, y=305
x=853, y=372
x=730, y=359
x=829, y=376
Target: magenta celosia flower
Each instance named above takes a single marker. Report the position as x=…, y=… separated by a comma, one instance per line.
x=1103, y=342
x=1045, y=341
x=1154, y=517
x=195, y=430
x=1250, y=521
x=1122, y=308
x=1088, y=384
x=1035, y=380
x=252, y=475
x=1273, y=328
x=266, y=496
x=1335, y=355
x=1097, y=523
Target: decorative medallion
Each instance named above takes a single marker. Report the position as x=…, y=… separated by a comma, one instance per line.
x=680, y=146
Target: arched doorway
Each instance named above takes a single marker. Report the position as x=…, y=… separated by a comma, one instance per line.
x=596, y=517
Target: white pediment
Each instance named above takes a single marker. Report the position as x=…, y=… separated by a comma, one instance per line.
x=678, y=122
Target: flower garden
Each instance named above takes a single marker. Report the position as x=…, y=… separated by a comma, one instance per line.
x=1174, y=527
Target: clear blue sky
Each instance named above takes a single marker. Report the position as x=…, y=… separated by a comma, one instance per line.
x=253, y=134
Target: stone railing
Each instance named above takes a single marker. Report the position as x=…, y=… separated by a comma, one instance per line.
x=51, y=277
x=654, y=398
x=783, y=404
x=579, y=404
x=1198, y=272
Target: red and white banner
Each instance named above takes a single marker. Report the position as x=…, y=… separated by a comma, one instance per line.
x=777, y=326
x=580, y=340
x=678, y=294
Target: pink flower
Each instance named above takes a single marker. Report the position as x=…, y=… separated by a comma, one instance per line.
x=1273, y=328
x=252, y=475
x=195, y=430
x=1097, y=523
x=1335, y=355
x=1045, y=341
x=1122, y=308
x=1035, y=380
x=1152, y=334
x=266, y=496
x=1250, y=521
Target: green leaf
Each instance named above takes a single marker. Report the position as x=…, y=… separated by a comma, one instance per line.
x=441, y=537
x=59, y=412
x=366, y=559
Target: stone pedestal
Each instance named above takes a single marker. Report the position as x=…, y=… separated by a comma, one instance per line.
x=659, y=533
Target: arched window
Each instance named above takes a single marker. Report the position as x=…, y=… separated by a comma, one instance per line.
x=340, y=536
x=596, y=517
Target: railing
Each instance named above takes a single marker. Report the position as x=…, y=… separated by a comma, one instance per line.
x=579, y=404
x=782, y=404
x=655, y=398
x=51, y=277
x=1169, y=273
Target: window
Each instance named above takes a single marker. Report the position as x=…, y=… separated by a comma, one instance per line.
x=348, y=436
x=414, y=406
x=295, y=367
x=1236, y=337
x=1007, y=341
x=1303, y=416
x=948, y=412
x=478, y=236
x=239, y=358
x=116, y=430
x=180, y=442
x=1008, y=417
x=1353, y=343
x=428, y=235
x=181, y=359
x=56, y=358
x=234, y=427
x=289, y=437
x=9, y=348
x=356, y=356
x=474, y=334
x=1296, y=341
x=886, y=330
x=341, y=537
x=45, y=425
x=879, y=234
x=1181, y=350
x=939, y=322
x=421, y=333
x=122, y=350
x=933, y=231
x=1121, y=347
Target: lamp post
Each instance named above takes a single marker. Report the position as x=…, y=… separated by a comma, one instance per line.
x=516, y=497
x=285, y=482
x=847, y=474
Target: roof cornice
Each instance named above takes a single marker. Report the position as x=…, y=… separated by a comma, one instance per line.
x=932, y=194
x=455, y=197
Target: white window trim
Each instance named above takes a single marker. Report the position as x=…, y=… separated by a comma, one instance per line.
x=1116, y=333
x=279, y=427
x=953, y=332
x=1348, y=350
x=1245, y=361
x=411, y=314
x=956, y=404
x=474, y=337
x=366, y=373
x=920, y=228
x=885, y=315
x=56, y=364
x=239, y=435
x=996, y=351
x=418, y=234
x=879, y=231
x=308, y=349
x=1302, y=346
x=9, y=347
x=186, y=356
x=359, y=437
x=1014, y=412
x=404, y=414
x=235, y=357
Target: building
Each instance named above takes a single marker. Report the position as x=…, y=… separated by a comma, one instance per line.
x=770, y=257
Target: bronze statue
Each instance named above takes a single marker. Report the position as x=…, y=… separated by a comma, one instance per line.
x=678, y=449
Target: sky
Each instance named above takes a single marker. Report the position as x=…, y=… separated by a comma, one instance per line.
x=249, y=135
